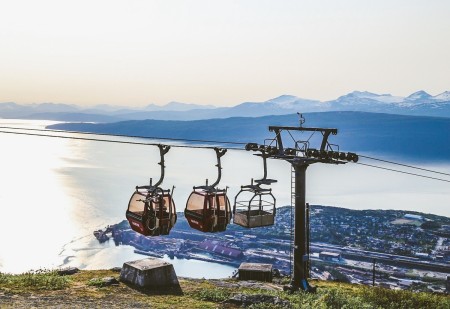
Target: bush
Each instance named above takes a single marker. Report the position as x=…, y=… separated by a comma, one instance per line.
x=214, y=295
x=335, y=298
x=3, y=278
x=431, y=225
x=403, y=299
x=97, y=282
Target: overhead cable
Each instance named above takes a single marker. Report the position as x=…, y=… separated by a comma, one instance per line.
x=112, y=141
x=405, y=165
x=403, y=172
x=133, y=136
x=194, y=146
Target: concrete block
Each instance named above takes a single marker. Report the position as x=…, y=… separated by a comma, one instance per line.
x=150, y=273
x=255, y=271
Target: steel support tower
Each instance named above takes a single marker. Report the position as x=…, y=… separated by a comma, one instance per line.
x=300, y=157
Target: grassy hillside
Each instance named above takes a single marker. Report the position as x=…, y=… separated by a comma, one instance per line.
x=408, y=137
x=86, y=289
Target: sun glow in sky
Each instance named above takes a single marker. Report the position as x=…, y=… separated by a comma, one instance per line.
x=219, y=52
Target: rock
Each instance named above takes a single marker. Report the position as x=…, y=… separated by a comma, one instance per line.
x=247, y=300
x=255, y=271
x=106, y=281
x=224, y=284
x=116, y=269
x=149, y=273
x=258, y=285
x=110, y=281
x=67, y=271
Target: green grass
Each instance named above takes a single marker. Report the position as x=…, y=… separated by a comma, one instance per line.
x=403, y=299
x=41, y=279
x=208, y=294
x=213, y=294
x=334, y=295
x=97, y=282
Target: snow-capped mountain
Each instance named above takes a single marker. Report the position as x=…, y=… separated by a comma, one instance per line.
x=419, y=103
x=445, y=96
x=176, y=106
x=420, y=96
x=367, y=97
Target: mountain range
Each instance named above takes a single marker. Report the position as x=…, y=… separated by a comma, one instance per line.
x=419, y=103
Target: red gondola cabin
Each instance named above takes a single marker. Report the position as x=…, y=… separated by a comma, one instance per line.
x=151, y=213
x=208, y=210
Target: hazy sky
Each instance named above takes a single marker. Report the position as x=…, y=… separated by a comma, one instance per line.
x=219, y=52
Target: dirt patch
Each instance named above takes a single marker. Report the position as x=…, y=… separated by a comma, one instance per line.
x=406, y=221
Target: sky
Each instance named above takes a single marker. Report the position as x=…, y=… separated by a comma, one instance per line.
x=224, y=52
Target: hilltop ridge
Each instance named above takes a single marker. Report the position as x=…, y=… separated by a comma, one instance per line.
x=47, y=289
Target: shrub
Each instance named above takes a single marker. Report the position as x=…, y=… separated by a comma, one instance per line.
x=214, y=295
x=431, y=225
x=3, y=278
x=403, y=299
x=336, y=298
x=97, y=282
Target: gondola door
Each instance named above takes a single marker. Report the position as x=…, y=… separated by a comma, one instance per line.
x=220, y=211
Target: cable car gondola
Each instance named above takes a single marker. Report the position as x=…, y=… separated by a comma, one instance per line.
x=208, y=208
x=151, y=210
x=254, y=206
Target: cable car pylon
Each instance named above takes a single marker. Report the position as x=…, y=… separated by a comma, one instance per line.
x=300, y=157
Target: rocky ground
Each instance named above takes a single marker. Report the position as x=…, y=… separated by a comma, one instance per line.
x=101, y=289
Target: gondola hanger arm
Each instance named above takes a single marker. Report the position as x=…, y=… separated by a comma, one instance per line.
x=163, y=149
x=220, y=152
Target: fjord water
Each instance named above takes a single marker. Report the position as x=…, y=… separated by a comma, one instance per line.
x=56, y=192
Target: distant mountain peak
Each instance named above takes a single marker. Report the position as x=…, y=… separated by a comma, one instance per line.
x=363, y=93
x=292, y=102
x=419, y=95
x=366, y=95
x=283, y=99
x=445, y=96
x=359, y=94
x=180, y=106
x=175, y=104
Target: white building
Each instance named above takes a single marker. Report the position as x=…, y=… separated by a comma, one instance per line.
x=413, y=217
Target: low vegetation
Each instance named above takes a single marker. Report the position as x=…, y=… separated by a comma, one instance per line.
x=45, y=288
x=34, y=280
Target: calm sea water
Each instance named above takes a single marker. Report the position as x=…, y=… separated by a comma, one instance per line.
x=56, y=192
